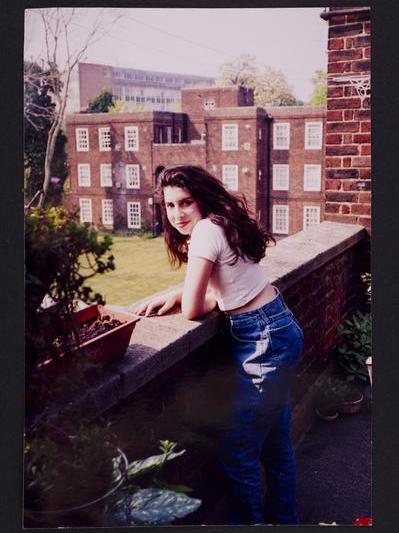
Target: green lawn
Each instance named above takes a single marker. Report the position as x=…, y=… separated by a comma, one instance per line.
x=142, y=268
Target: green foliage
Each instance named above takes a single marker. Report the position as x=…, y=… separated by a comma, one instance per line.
x=319, y=81
x=39, y=110
x=102, y=103
x=61, y=254
x=366, y=278
x=356, y=346
x=161, y=503
x=334, y=391
x=67, y=464
x=55, y=244
x=157, y=506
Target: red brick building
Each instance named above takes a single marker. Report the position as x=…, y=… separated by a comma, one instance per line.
x=348, y=121
x=274, y=156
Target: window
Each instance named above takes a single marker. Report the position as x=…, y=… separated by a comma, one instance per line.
x=131, y=138
x=104, y=139
x=229, y=137
x=313, y=135
x=106, y=175
x=281, y=135
x=230, y=177
x=82, y=139
x=133, y=215
x=132, y=177
x=107, y=212
x=85, y=210
x=280, y=219
x=169, y=134
x=312, y=178
x=280, y=177
x=84, y=175
x=311, y=216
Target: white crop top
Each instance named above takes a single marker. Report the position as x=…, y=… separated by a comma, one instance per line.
x=233, y=285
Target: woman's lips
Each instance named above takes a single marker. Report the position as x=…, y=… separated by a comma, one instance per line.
x=181, y=224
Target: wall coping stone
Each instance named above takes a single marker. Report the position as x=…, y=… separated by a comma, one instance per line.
x=158, y=343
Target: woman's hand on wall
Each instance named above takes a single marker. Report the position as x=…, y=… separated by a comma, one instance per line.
x=163, y=303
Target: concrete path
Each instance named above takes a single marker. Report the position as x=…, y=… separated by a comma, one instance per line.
x=334, y=470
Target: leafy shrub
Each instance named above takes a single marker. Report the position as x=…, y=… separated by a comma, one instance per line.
x=356, y=346
x=58, y=249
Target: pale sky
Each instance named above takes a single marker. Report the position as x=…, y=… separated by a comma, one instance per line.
x=199, y=41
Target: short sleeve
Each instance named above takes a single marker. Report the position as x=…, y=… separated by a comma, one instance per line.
x=206, y=240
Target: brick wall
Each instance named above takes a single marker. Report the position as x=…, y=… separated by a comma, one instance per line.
x=296, y=157
x=189, y=402
x=348, y=127
x=196, y=138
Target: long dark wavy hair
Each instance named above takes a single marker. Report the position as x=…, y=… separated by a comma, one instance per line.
x=245, y=237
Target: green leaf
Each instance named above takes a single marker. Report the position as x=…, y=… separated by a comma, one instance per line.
x=155, y=461
x=156, y=506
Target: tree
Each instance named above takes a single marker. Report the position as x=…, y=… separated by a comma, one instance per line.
x=319, y=81
x=273, y=89
x=270, y=86
x=38, y=115
x=57, y=27
x=103, y=103
x=241, y=71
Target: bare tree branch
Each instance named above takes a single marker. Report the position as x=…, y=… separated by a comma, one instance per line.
x=57, y=25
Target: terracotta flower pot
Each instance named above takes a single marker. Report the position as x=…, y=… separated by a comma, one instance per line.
x=351, y=406
x=103, y=348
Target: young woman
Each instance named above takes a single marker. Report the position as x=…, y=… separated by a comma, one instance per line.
x=211, y=230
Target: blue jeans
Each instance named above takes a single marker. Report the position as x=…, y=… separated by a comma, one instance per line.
x=267, y=344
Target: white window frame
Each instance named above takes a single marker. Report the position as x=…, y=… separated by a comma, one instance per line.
x=285, y=209
x=134, y=146
x=82, y=144
x=313, y=208
x=281, y=183
x=85, y=203
x=230, y=177
x=107, y=212
x=281, y=145
x=104, y=139
x=169, y=134
x=307, y=179
x=308, y=144
x=84, y=180
x=229, y=140
x=130, y=182
x=106, y=174
x=130, y=220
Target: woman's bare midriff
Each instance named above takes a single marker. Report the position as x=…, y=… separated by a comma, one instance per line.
x=266, y=295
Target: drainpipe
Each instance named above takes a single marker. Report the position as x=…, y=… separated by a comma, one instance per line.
x=268, y=177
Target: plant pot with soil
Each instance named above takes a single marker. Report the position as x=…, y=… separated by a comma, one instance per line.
x=338, y=396
x=96, y=331
x=68, y=477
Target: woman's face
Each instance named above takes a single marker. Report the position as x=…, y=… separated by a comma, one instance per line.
x=182, y=209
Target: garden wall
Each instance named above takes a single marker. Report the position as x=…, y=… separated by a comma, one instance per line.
x=174, y=382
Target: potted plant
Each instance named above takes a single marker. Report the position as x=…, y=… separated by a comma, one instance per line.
x=85, y=480
x=338, y=396
x=61, y=256
x=366, y=278
x=160, y=503
x=69, y=470
x=355, y=347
